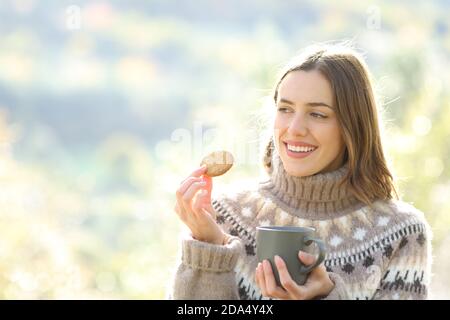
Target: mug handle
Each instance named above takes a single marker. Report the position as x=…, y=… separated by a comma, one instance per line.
x=308, y=240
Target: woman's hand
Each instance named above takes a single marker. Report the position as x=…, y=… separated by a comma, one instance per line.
x=194, y=207
x=318, y=283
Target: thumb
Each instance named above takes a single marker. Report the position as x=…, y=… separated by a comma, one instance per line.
x=306, y=258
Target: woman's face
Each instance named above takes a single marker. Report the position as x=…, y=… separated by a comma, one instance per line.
x=305, y=114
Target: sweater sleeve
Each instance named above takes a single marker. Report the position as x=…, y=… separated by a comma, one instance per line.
x=206, y=271
x=408, y=271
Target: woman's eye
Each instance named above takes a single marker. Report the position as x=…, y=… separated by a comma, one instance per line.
x=317, y=115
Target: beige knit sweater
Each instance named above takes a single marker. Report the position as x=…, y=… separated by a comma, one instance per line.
x=378, y=253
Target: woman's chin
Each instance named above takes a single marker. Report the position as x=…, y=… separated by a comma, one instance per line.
x=298, y=172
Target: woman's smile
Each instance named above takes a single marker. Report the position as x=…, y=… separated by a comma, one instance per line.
x=298, y=152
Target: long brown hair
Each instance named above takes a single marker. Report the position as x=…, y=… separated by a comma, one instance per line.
x=369, y=177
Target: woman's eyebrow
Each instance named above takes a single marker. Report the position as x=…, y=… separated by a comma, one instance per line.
x=310, y=104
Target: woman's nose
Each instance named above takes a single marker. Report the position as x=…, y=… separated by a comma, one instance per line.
x=298, y=126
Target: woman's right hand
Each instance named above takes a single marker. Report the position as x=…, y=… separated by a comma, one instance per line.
x=194, y=208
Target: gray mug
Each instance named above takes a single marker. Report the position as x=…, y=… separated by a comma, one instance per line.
x=286, y=242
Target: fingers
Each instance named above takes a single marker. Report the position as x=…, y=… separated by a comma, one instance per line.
x=182, y=197
x=197, y=173
x=199, y=201
x=195, y=209
x=260, y=279
x=185, y=199
x=184, y=186
x=317, y=285
x=317, y=279
x=286, y=280
x=192, y=190
x=271, y=286
x=306, y=258
x=205, y=199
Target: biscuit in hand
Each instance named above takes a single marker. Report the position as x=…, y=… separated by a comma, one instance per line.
x=218, y=162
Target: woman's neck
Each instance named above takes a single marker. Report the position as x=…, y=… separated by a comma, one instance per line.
x=319, y=196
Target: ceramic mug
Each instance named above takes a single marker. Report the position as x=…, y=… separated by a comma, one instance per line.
x=286, y=242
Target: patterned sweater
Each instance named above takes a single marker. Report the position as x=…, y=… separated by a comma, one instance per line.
x=383, y=252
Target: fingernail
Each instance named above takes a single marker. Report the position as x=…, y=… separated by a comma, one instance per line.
x=277, y=259
x=203, y=183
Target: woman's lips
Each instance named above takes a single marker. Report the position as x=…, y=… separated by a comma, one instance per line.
x=297, y=155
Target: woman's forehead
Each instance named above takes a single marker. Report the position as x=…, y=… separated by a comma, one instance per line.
x=305, y=86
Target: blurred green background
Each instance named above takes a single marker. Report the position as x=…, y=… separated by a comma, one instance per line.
x=105, y=106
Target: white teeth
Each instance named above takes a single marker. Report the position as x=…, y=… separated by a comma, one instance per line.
x=300, y=149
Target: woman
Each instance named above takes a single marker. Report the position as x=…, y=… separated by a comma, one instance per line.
x=326, y=170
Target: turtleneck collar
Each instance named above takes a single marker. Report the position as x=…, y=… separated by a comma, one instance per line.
x=318, y=196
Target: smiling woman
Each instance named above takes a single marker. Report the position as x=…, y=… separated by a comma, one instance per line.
x=327, y=171
x=301, y=121
x=324, y=97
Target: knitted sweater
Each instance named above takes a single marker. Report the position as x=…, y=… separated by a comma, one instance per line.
x=382, y=252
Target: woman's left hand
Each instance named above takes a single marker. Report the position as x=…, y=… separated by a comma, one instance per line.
x=318, y=283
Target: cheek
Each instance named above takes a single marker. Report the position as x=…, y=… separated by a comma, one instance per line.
x=281, y=125
x=277, y=131
x=277, y=123
x=337, y=136
x=332, y=139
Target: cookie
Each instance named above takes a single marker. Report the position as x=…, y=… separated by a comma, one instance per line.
x=218, y=162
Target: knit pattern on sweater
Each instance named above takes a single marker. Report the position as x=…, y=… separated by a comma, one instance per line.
x=382, y=251
x=379, y=253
